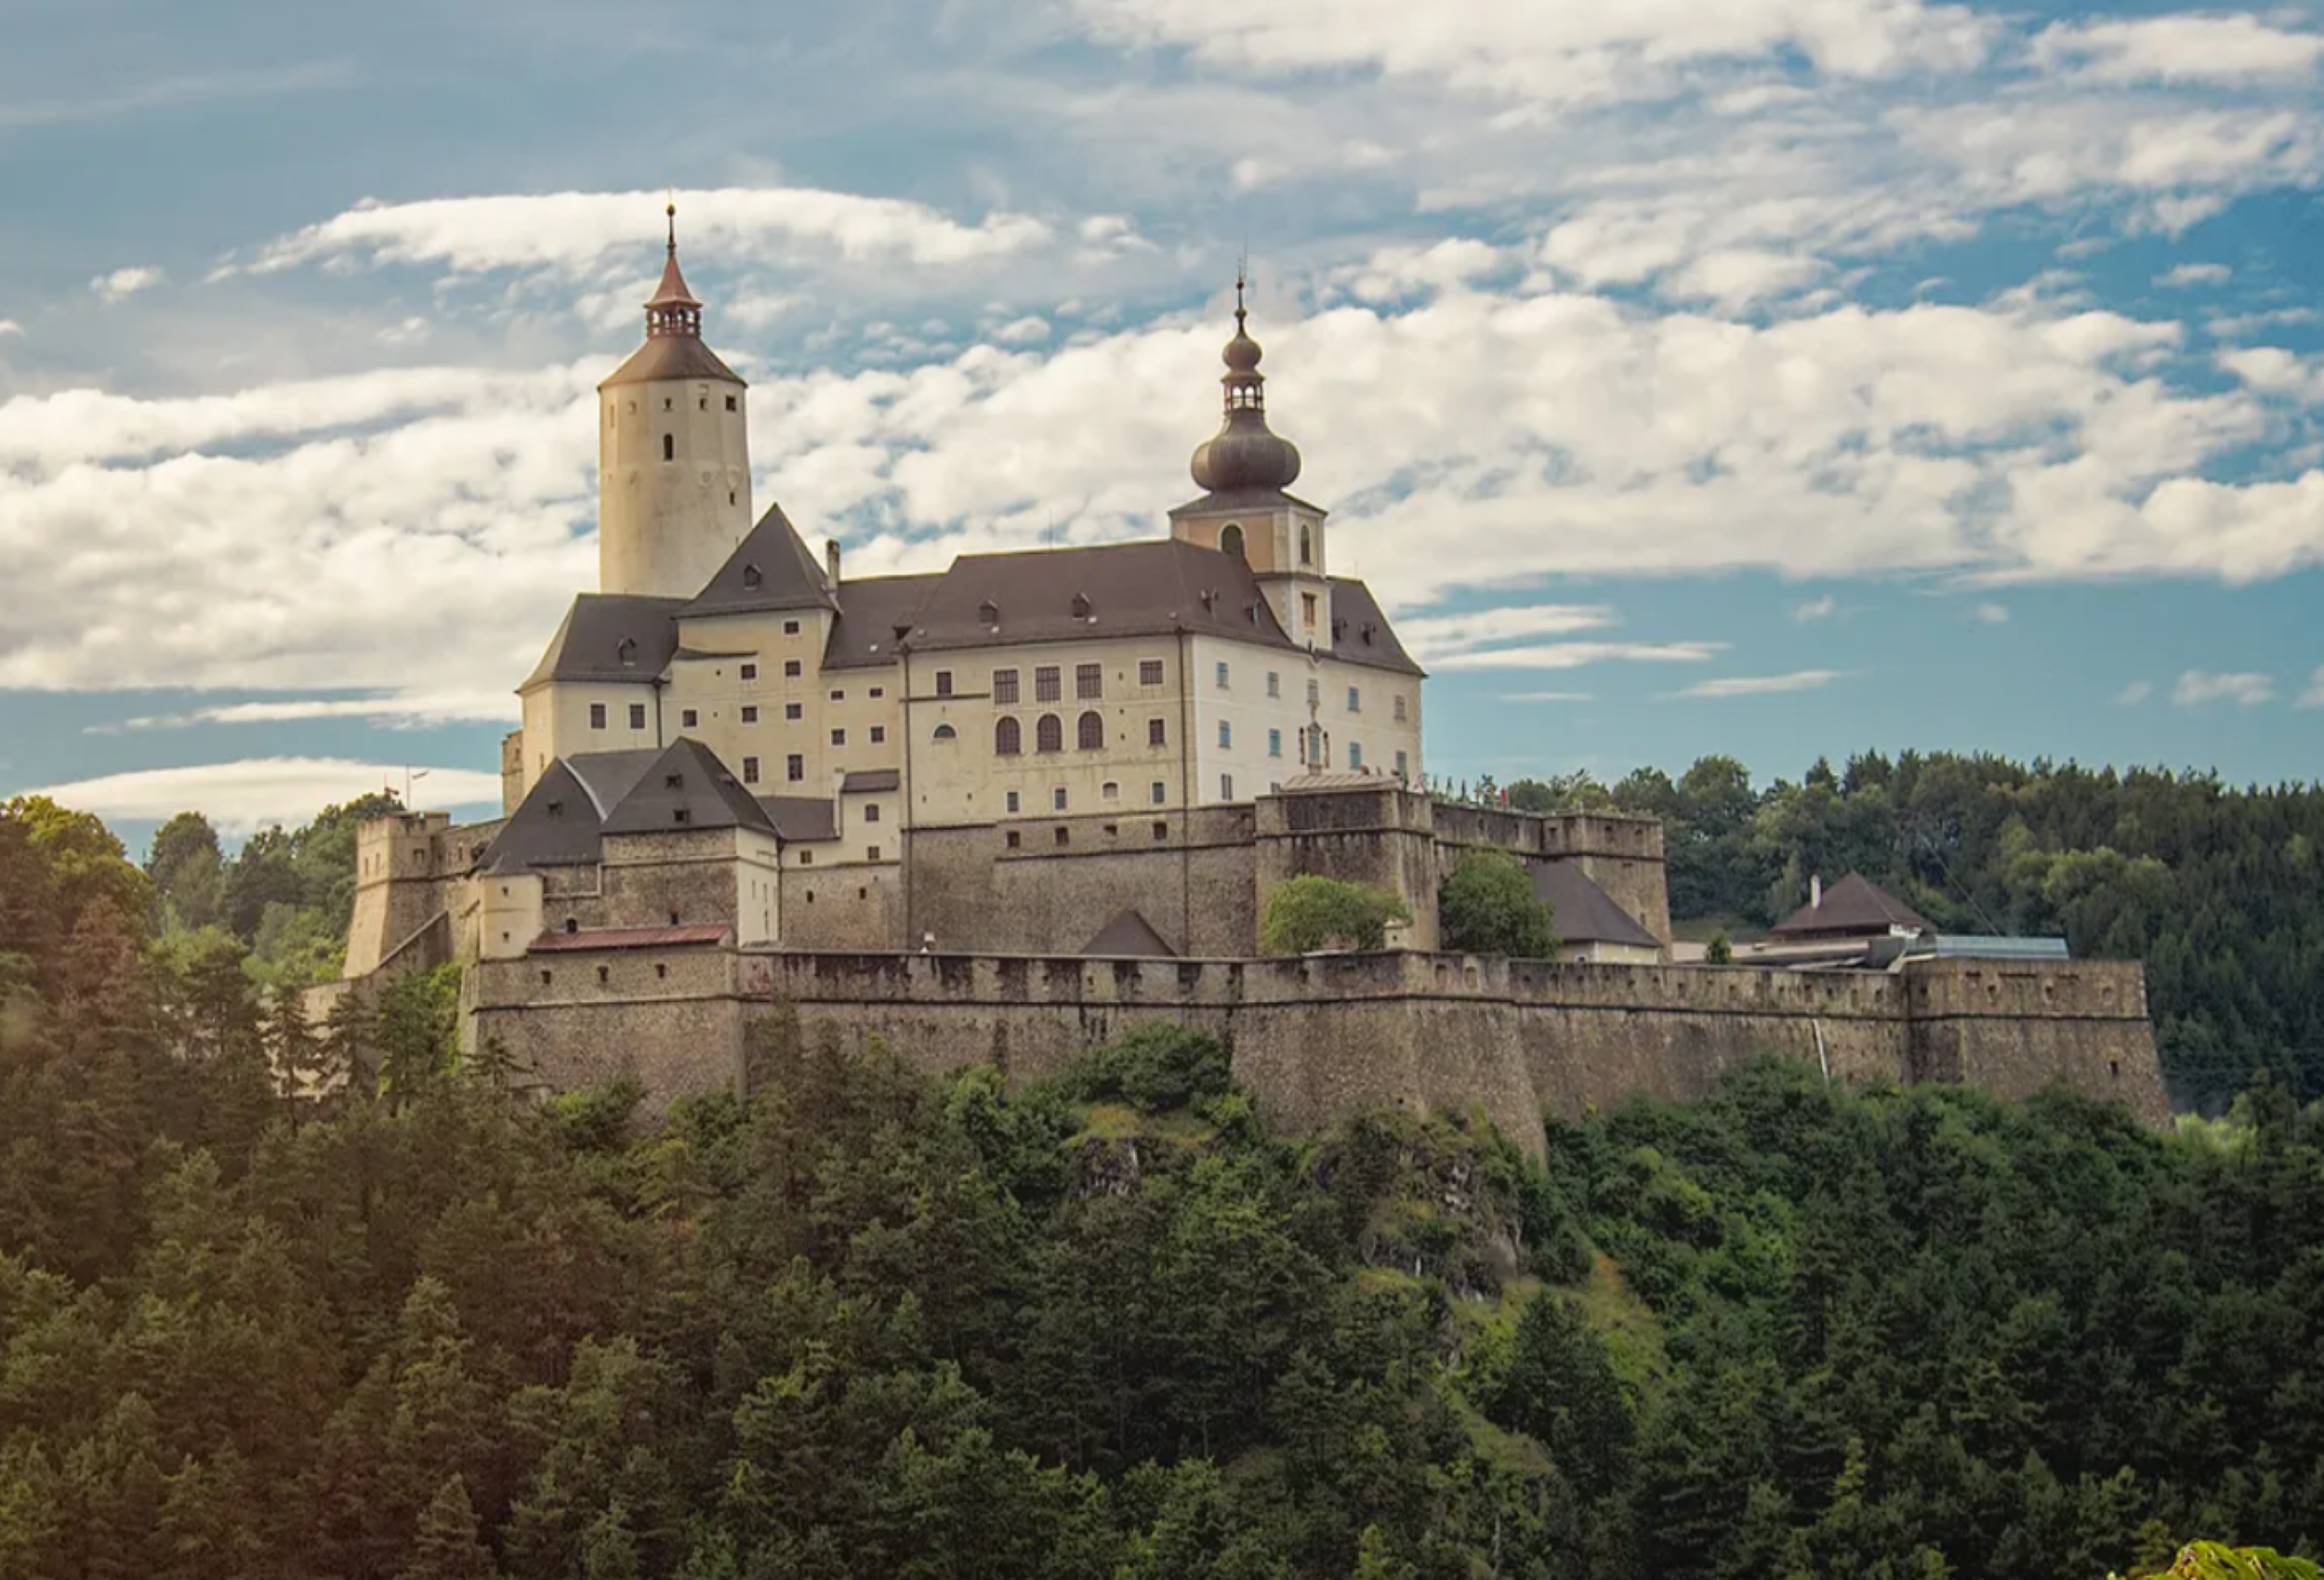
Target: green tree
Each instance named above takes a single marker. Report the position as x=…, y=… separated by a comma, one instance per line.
x=1310, y=912
x=1487, y=906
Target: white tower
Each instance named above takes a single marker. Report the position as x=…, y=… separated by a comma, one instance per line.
x=673, y=454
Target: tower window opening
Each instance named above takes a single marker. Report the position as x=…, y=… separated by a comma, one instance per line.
x=729, y=403
x=1307, y=544
x=1230, y=540
x=669, y=447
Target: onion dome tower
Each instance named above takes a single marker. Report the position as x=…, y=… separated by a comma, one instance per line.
x=1243, y=470
x=673, y=476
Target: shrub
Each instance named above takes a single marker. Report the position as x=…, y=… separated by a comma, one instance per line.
x=1312, y=912
x=1488, y=907
x=1153, y=1069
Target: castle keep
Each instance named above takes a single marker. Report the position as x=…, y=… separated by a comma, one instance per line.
x=1009, y=808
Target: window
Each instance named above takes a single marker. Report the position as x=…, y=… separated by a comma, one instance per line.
x=637, y=715
x=669, y=444
x=1109, y=791
x=729, y=403
x=1307, y=544
x=1274, y=743
x=1157, y=732
x=1403, y=767
x=752, y=578
x=1008, y=739
x=1005, y=687
x=1226, y=735
x=944, y=682
x=1088, y=682
x=627, y=652
x=1226, y=787
x=791, y=670
x=1230, y=540
x=946, y=732
x=878, y=734
x=1013, y=801
x=839, y=696
x=1089, y=733
x=871, y=812
x=1355, y=754
x=596, y=716
x=1399, y=707
x=790, y=627
x=688, y=720
x=1275, y=684
x=1049, y=734
x=1223, y=674
x=871, y=853
x=1045, y=684
x=1355, y=700
x=750, y=715
x=1057, y=797
x=838, y=737
x=795, y=768
x=807, y=858
x=750, y=770
x=794, y=712
x=877, y=692
x=1149, y=671
x=1065, y=836
x=1016, y=839
x=750, y=672
x=1308, y=610
x=1161, y=830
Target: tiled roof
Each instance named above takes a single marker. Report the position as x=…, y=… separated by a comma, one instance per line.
x=589, y=643
x=686, y=786
x=1852, y=905
x=1158, y=587
x=864, y=637
x=1128, y=937
x=770, y=569
x=870, y=781
x=671, y=356
x=802, y=820
x=1583, y=913
x=1360, y=633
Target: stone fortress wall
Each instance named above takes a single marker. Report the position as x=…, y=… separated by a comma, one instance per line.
x=1318, y=1037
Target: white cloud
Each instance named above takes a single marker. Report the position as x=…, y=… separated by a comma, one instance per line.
x=577, y=234
x=1575, y=655
x=1990, y=614
x=2314, y=695
x=8, y=327
x=245, y=796
x=2195, y=274
x=2236, y=47
x=1433, y=637
x=2200, y=687
x=2134, y=693
x=408, y=711
x=1763, y=685
x=123, y=283
x=1816, y=609
x=1031, y=330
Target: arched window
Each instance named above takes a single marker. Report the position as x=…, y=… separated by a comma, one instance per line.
x=1230, y=540
x=946, y=732
x=1307, y=544
x=1089, y=733
x=669, y=447
x=1008, y=739
x=1048, y=735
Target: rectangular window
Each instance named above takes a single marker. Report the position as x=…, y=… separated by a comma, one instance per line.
x=637, y=715
x=790, y=627
x=1274, y=743
x=944, y=682
x=1275, y=684
x=729, y=403
x=1223, y=674
x=1149, y=671
x=1404, y=765
x=838, y=737
x=1226, y=735
x=1315, y=693
x=1057, y=797
x=750, y=672
x=1399, y=707
x=1016, y=839
x=795, y=768
x=1226, y=787
x=1064, y=837
x=1157, y=793
x=1046, y=687
x=878, y=691
x=839, y=696
x=596, y=716
x=1355, y=700
x=1161, y=830
x=1013, y=802
x=1308, y=609
x=794, y=712
x=791, y=670
x=750, y=715
x=687, y=719
x=871, y=812
x=878, y=734
x=1157, y=733
x=1088, y=682
x=1355, y=754
x=1005, y=687
x=750, y=770
x=871, y=853
x=1109, y=791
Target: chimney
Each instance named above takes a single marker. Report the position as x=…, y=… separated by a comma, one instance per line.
x=831, y=559
x=1816, y=891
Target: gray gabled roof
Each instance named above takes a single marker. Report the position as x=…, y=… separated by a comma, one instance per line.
x=1854, y=905
x=1582, y=912
x=686, y=786
x=611, y=636
x=864, y=637
x=870, y=780
x=1360, y=633
x=1158, y=587
x=771, y=569
x=802, y=820
x=1128, y=937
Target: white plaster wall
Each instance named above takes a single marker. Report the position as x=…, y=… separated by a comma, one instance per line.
x=665, y=527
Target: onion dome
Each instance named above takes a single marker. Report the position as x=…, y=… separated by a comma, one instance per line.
x=1244, y=455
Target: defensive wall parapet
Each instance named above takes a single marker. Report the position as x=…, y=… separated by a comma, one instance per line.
x=1320, y=1036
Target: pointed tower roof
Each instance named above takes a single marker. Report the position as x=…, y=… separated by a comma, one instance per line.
x=1244, y=457
x=770, y=569
x=673, y=345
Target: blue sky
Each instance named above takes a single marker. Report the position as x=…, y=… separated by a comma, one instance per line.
x=1775, y=376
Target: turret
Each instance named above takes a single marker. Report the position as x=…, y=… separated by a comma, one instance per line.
x=673, y=472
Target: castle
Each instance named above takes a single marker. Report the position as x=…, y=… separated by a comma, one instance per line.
x=744, y=778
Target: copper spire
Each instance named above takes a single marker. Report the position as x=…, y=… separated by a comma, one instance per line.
x=673, y=308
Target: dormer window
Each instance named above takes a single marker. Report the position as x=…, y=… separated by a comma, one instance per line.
x=989, y=612
x=680, y=814
x=751, y=578
x=556, y=808
x=627, y=652
x=1081, y=606
x=674, y=782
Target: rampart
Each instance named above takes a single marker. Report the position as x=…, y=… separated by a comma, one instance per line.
x=1318, y=1037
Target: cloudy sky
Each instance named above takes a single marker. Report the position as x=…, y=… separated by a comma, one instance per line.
x=1773, y=376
